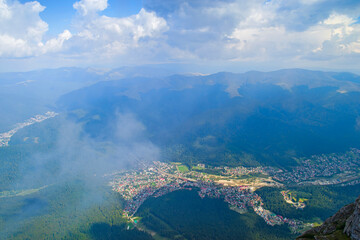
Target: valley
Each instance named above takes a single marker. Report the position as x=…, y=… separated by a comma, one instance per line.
x=6, y=137
x=153, y=157
x=236, y=186
x=179, y=120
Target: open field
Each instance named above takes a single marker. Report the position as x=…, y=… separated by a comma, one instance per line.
x=183, y=168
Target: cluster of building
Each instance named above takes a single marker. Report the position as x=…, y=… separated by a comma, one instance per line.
x=269, y=217
x=197, y=175
x=133, y=184
x=325, y=165
x=273, y=219
x=171, y=187
x=238, y=197
x=351, y=183
x=132, y=205
x=241, y=197
x=6, y=137
x=239, y=171
x=136, y=186
x=159, y=178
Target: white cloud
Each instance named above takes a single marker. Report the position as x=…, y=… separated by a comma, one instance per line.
x=12, y=47
x=258, y=31
x=343, y=37
x=262, y=31
x=108, y=36
x=5, y=12
x=86, y=7
x=94, y=38
x=334, y=37
x=56, y=44
x=337, y=19
x=22, y=30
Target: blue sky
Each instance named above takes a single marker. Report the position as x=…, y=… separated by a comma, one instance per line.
x=208, y=35
x=59, y=14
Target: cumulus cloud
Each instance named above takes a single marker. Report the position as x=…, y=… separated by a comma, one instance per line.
x=55, y=44
x=111, y=36
x=200, y=31
x=22, y=30
x=104, y=30
x=260, y=31
x=5, y=12
x=94, y=36
x=343, y=37
x=86, y=7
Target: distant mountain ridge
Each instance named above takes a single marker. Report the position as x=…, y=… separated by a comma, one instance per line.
x=25, y=94
x=273, y=116
x=286, y=79
x=34, y=92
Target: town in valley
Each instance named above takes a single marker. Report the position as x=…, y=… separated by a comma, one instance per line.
x=236, y=186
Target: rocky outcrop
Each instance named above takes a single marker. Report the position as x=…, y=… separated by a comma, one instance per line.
x=345, y=224
x=352, y=226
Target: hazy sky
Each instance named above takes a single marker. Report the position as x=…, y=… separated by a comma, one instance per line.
x=229, y=34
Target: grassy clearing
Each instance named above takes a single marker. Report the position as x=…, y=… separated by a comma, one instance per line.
x=183, y=168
